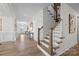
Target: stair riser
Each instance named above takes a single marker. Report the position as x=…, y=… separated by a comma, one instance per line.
x=45, y=52
x=55, y=45
x=54, y=40
x=46, y=40
x=57, y=31
x=47, y=46
x=42, y=50
x=57, y=35
x=59, y=26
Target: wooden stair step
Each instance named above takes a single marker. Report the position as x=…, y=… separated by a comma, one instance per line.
x=47, y=40
x=55, y=45
x=46, y=49
x=58, y=32
x=47, y=34
x=58, y=37
x=57, y=40
x=47, y=37
x=45, y=44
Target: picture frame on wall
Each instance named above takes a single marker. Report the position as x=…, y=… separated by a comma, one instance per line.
x=72, y=23
x=31, y=26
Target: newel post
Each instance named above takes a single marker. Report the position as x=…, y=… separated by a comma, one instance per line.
x=51, y=42
x=38, y=35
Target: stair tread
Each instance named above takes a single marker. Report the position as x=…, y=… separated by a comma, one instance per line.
x=46, y=38
x=57, y=36
x=46, y=49
x=45, y=42
x=55, y=41
x=57, y=32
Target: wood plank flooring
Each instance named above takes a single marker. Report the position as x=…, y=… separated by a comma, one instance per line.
x=25, y=47
x=22, y=47
x=74, y=51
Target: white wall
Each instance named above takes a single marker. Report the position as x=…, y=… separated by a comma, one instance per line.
x=78, y=28
x=8, y=24
x=8, y=20
x=8, y=33
x=70, y=39
x=6, y=10
x=38, y=22
x=47, y=21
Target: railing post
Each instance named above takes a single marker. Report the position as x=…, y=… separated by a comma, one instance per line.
x=39, y=29
x=51, y=43
x=38, y=35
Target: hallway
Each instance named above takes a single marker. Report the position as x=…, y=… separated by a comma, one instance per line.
x=53, y=26
x=22, y=47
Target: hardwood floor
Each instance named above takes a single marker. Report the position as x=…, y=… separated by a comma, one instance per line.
x=25, y=47
x=22, y=47
x=74, y=51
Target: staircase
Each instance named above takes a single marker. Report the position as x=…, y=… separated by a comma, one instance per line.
x=53, y=38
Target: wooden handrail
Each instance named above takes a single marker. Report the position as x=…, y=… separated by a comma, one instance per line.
x=39, y=29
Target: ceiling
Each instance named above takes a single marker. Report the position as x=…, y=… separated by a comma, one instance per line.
x=25, y=11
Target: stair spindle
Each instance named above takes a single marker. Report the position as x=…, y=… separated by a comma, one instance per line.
x=39, y=29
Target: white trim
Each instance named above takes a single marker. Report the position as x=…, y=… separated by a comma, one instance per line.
x=47, y=40
x=44, y=44
x=43, y=50
x=55, y=40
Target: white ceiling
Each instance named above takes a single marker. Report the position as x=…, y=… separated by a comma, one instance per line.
x=75, y=6
x=27, y=10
